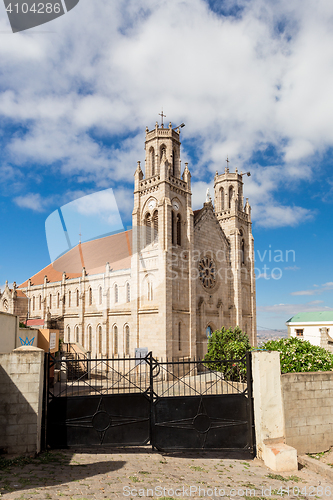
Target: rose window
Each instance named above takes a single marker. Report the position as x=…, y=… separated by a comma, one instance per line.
x=207, y=272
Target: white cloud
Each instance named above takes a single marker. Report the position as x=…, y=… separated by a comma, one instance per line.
x=32, y=201
x=238, y=83
x=290, y=310
x=316, y=291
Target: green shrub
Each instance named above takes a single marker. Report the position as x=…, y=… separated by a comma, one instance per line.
x=298, y=355
x=224, y=345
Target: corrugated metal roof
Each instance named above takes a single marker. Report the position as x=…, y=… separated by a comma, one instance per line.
x=312, y=316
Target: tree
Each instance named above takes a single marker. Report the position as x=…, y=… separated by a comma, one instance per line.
x=298, y=355
x=224, y=347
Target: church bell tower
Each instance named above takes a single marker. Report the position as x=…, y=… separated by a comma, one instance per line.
x=162, y=246
x=235, y=219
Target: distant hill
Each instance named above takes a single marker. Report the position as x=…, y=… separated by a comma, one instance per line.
x=265, y=335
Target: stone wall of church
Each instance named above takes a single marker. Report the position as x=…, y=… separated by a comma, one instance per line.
x=213, y=304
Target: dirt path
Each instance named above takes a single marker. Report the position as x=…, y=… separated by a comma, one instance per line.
x=139, y=472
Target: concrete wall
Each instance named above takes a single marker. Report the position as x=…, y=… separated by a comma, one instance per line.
x=308, y=410
x=268, y=413
x=9, y=325
x=21, y=398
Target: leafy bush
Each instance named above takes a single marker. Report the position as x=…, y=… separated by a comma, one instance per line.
x=224, y=345
x=298, y=355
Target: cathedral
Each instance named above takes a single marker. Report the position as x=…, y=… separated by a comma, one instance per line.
x=163, y=285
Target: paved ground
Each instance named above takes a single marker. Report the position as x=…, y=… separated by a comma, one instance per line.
x=131, y=473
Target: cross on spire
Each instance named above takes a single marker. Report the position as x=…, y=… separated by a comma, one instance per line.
x=162, y=115
x=227, y=160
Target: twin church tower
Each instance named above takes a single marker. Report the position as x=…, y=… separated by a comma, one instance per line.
x=164, y=285
x=205, y=276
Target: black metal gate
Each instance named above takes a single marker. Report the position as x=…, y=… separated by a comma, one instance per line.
x=173, y=405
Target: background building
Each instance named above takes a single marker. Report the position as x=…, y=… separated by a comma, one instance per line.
x=316, y=327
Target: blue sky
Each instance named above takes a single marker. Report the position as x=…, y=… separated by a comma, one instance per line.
x=251, y=79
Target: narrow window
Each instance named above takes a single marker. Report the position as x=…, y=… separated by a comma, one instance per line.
x=99, y=338
x=40, y=302
x=231, y=194
x=33, y=303
x=77, y=298
x=155, y=225
x=77, y=334
x=89, y=330
x=150, y=290
x=115, y=339
x=178, y=230
x=116, y=295
x=58, y=300
x=173, y=164
x=50, y=301
x=127, y=335
x=148, y=229
x=222, y=198
x=128, y=293
x=173, y=232
x=69, y=298
x=100, y=294
x=243, y=251
x=152, y=160
x=179, y=337
x=90, y=296
x=68, y=334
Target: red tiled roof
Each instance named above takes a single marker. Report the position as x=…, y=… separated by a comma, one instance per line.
x=93, y=255
x=35, y=322
x=195, y=212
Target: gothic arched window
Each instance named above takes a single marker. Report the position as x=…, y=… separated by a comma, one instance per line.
x=50, y=301
x=90, y=296
x=69, y=298
x=100, y=297
x=76, y=334
x=155, y=225
x=115, y=339
x=173, y=232
x=150, y=290
x=128, y=292
x=67, y=338
x=222, y=198
x=231, y=194
x=243, y=251
x=89, y=334
x=152, y=160
x=99, y=336
x=178, y=230
x=58, y=299
x=173, y=164
x=127, y=339
x=40, y=302
x=148, y=228
x=33, y=303
x=116, y=294
x=77, y=298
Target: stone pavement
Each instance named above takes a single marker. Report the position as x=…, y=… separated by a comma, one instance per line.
x=140, y=472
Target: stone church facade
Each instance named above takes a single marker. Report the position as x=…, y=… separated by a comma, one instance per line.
x=164, y=285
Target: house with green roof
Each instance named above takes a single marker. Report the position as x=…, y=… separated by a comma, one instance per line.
x=316, y=327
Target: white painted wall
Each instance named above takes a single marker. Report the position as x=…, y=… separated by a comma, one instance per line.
x=311, y=331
